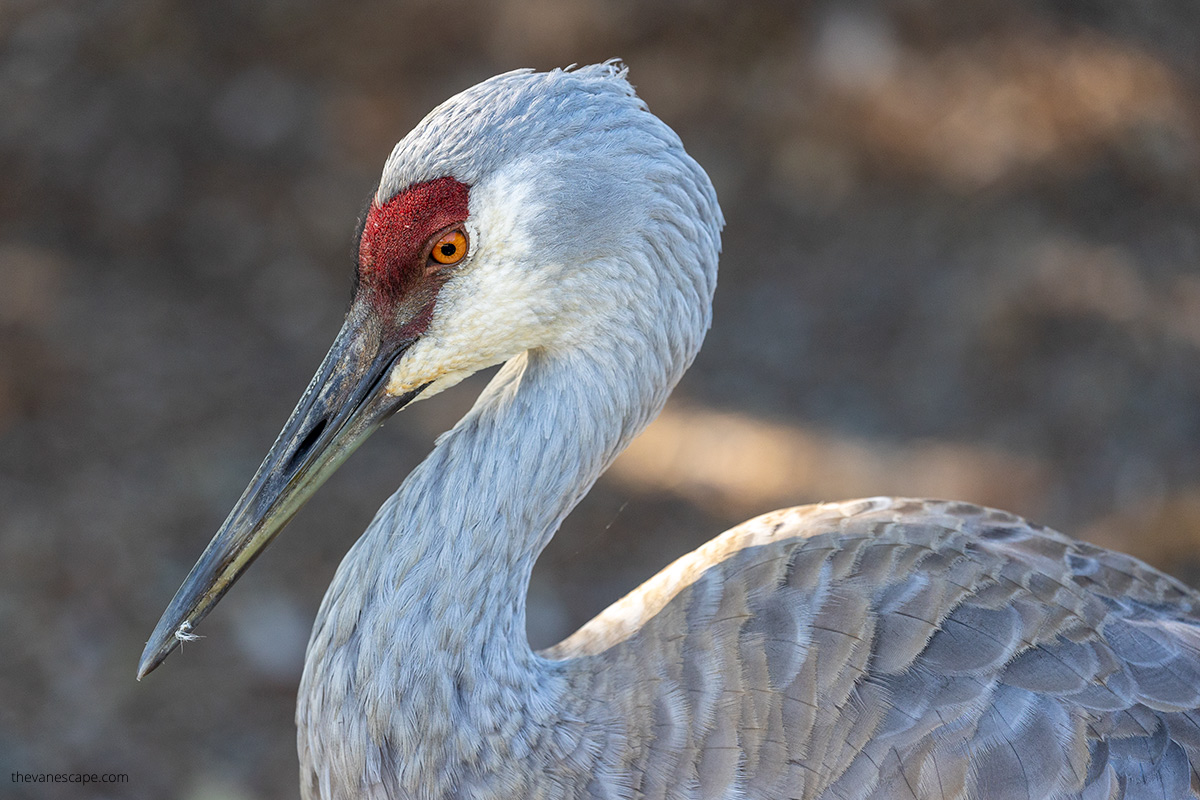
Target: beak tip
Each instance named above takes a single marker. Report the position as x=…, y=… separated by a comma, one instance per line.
x=156, y=651
x=145, y=666
x=151, y=659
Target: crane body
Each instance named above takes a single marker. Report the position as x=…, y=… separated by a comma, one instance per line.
x=881, y=648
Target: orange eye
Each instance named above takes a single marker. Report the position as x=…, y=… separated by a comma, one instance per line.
x=450, y=247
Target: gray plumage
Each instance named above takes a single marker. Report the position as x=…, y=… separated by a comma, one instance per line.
x=877, y=649
x=880, y=649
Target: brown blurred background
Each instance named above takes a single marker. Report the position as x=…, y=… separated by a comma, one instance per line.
x=962, y=259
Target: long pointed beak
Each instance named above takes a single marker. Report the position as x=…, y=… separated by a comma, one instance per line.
x=346, y=401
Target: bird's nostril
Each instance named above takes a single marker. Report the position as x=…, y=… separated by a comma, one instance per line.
x=305, y=445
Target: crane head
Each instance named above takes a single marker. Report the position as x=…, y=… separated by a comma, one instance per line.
x=493, y=232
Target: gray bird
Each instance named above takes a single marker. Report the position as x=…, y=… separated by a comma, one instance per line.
x=880, y=648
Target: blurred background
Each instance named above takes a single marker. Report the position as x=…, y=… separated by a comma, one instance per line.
x=962, y=259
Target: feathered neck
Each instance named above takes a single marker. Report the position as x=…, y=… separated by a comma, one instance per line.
x=419, y=670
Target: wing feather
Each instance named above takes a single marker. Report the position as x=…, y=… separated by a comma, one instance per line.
x=892, y=648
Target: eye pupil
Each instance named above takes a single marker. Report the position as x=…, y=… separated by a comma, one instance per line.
x=448, y=249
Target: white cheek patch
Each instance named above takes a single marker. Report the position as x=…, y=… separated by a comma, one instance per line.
x=486, y=313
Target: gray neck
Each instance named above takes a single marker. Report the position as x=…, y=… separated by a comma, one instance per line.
x=419, y=668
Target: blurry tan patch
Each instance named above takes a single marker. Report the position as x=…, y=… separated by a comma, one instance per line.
x=1163, y=531
x=31, y=281
x=32, y=278
x=977, y=111
x=1076, y=277
x=733, y=463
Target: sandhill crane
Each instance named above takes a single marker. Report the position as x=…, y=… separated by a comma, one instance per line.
x=880, y=648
